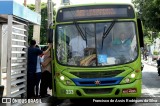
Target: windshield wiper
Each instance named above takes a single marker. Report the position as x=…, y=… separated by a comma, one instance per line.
x=80, y=30
x=105, y=33
x=77, y=26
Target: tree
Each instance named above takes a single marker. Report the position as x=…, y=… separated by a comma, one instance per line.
x=149, y=12
x=43, y=32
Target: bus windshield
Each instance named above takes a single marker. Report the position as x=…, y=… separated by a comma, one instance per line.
x=99, y=45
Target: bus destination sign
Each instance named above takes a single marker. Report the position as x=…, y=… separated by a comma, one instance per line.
x=108, y=12
x=91, y=13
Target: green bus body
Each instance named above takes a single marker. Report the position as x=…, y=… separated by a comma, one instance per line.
x=106, y=75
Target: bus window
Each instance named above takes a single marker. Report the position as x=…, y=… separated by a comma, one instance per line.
x=124, y=41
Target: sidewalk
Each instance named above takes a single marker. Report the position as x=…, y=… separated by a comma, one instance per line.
x=150, y=62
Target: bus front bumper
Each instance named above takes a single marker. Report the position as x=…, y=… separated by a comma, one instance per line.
x=125, y=90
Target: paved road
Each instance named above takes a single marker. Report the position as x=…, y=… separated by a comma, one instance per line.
x=150, y=92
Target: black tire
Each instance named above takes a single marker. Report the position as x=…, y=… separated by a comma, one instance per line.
x=74, y=101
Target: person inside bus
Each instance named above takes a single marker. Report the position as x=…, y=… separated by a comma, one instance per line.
x=46, y=79
x=33, y=52
x=77, y=46
x=122, y=40
x=121, y=47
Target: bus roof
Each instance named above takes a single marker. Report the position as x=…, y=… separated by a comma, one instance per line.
x=93, y=4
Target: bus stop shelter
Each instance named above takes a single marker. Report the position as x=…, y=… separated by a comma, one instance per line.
x=14, y=21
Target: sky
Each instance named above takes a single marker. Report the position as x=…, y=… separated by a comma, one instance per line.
x=73, y=1
x=29, y=1
x=58, y=2
x=96, y=1
x=90, y=1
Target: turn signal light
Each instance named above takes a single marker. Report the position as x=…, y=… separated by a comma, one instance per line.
x=137, y=71
x=57, y=74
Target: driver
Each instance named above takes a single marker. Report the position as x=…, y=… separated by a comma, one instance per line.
x=122, y=40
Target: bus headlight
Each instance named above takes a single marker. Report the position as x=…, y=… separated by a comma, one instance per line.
x=65, y=80
x=133, y=75
x=127, y=80
x=62, y=77
x=68, y=82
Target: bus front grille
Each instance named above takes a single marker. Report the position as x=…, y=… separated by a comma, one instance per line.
x=98, y=91
x=97, y=81
x=97, y=74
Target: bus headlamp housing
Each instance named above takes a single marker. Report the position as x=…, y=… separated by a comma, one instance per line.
x=129, y=78
x=133, y=75
x=65, y=80
x=68, y=82
x=62, y=77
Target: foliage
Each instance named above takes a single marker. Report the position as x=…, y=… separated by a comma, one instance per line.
x=31, y=6
x=155, y=52
x=30, y=32
x=159, y=34
x=147, y=40
x=43, y=29
x=149, y=12
x=44, y=23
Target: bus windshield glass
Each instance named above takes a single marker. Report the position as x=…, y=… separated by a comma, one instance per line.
x=119, y=44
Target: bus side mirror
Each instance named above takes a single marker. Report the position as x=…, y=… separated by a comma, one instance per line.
x=140, y=32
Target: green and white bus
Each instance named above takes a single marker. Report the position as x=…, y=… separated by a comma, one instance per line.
x=90, y=58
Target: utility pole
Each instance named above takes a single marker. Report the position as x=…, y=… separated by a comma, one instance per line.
x=50, y=7
x=50, y=12
x=25, y=3
x=36, y=28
